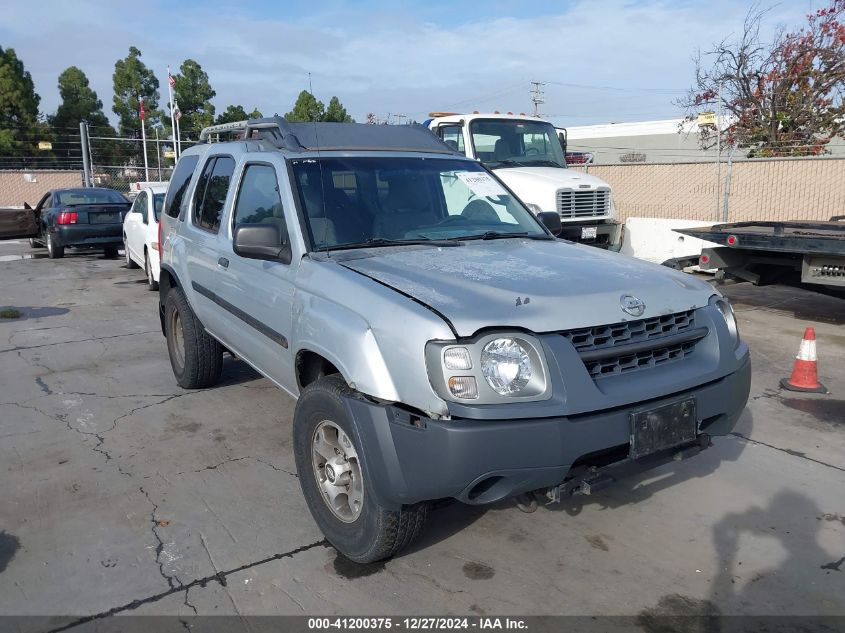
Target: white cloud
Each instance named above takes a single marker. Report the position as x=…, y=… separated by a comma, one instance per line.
x=388, y=60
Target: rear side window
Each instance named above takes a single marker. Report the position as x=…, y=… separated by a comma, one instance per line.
x=179, y=185
x=212, y=188
x=158, y=203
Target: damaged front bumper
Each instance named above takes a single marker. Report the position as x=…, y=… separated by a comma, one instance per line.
x=409, y=458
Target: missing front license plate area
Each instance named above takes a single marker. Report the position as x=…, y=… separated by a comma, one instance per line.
x=664, y=427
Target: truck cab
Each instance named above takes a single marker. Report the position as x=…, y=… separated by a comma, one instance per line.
x=527, y=154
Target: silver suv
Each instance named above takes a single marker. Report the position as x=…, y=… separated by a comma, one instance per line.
x=440, y=341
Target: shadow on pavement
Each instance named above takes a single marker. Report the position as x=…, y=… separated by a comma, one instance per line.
x=794, y=520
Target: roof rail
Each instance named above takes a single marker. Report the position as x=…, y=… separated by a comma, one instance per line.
x=332, y=136
x=275, y=130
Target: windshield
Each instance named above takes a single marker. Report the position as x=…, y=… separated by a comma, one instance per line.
x=158, y=203
x=370, y=201
x=516, y=143
x=89, y=196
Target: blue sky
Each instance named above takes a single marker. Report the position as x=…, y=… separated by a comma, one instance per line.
x=603, y=60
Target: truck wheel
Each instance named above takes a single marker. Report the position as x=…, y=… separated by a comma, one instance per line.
x=195, y=356
x=152, y=284
x=330, y=462
x=54, y=251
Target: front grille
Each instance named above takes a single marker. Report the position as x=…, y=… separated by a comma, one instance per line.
x=659, y=330
x=641, y=360
x=587, y=203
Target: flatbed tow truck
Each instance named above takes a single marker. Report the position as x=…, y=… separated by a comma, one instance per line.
x=777, y=252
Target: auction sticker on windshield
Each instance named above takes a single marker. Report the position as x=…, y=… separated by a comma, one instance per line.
x=481, y=184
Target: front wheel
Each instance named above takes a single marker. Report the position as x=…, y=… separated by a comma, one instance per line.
x=195, y=356
x=332, y=473
x=54, y=251
x=152, y=284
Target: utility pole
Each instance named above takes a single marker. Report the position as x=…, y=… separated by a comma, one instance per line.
x=86, y=157
x=537, y=96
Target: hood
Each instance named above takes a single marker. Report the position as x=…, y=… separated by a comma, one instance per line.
x=541, y=286
x=538, y=185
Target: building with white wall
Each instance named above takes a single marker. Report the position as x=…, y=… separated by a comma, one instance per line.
x=663, y=141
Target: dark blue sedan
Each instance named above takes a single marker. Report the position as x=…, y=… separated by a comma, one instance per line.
x=80, y=218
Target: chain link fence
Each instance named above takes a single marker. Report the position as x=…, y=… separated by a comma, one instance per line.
x=756, y=189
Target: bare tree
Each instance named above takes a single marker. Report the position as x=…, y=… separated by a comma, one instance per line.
x=783, y=98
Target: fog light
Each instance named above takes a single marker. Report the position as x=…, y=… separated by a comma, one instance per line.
x=463, y=387
x=457, y=358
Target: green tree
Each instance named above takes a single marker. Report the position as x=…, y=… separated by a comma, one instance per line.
x=18, y=107
x=336, y=112
x=132, y=79
x=80, y=103
x=237, y=113
x=306, y=108
x=194, y=93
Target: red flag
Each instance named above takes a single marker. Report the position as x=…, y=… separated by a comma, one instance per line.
x=141, y=107
x=171, y=80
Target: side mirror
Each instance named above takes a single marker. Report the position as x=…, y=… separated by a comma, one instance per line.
x=551, y=220
x=261, y=241
x=562, y=137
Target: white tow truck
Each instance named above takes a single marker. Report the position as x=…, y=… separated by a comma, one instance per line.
x=527, y=154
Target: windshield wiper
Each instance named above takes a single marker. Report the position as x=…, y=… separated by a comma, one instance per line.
x=381, y=241
x=505, y=163
x=498, y=235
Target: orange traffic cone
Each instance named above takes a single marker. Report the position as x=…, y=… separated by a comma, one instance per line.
x=804, y=373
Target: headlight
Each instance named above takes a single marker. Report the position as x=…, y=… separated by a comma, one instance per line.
x=506, y=366
x=726, y=309
x=490, y=368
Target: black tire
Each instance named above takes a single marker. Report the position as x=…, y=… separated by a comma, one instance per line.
x=33, y=243
x=54, y=251
x=200, y=361
x=152, y=284
x=130, y=263
x=377, y=532
x=110, y=252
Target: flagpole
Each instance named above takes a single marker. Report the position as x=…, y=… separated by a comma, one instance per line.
x=178, y=134
x=172, y=119
x=144, y=140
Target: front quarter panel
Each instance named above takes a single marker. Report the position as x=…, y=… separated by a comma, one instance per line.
x=374, y=336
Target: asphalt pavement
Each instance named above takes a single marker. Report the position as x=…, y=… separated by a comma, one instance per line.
x=122, y=493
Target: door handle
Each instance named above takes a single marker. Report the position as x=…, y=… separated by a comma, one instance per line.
x=223, y=262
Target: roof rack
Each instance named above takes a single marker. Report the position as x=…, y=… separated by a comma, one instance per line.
x=276, y=127
x=326, y=136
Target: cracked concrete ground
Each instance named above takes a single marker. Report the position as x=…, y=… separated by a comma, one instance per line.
x=123, y=493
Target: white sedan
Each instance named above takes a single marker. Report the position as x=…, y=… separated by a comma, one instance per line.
x=140, y=232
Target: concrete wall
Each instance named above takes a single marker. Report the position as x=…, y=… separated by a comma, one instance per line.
x=764, y=189
x=17, y=187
